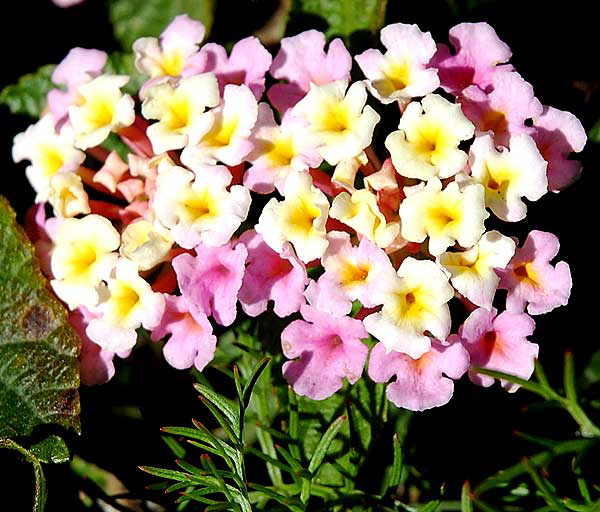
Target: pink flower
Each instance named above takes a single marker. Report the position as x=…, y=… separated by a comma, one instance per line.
x=95, y=363
x=66, y=3
x=504, y=110
x=192, y=341
x=479, y=55
x=420, y=383
x=302, y=60
x=212, y=279
x=78, y=67
x=499, y=343
x=558, y=134
x=271, y=276
x=247, y=64
x=530, y=278
x=326, y=349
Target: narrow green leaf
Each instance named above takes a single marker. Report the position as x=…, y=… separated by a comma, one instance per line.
x=39, y=499
x=466, y=505
x=166, y=473
x=174, y=446
x=569, y=378
x=223, y=486
x=291, y=503
x=229, y=429
x=396, y=469
x=543, y=487
x=254, y=376
x=200, y=495
x=293, y=462
x=222, y=506
x=217, y=443
x=432, y=506
x=275, y=433
x=293, y=422
x=323, y=446
x=594, y=133
x=132, y=19
x=238, y=384
x=344, y=18
x=190, y=468
x=528, y=385
x=271, y=460
x=225, y=406
x=28, y=95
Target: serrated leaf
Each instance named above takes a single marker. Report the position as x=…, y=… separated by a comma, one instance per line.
x=133, y=19
x=345, y=18
x=39, y=371
x=28, y=95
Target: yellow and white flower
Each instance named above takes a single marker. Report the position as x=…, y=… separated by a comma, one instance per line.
x=100, y=108
x=509, y=174
x=180, y=108
x=342, y=120
x=145, y=243
x=299, y=219
x=426, y=145
x=413, y=303
x=83, y=255
x=472, y=271
x=455, y=214
x=49, y=152
x=67, y=195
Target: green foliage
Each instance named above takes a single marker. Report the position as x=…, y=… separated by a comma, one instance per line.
x=344, y=18
x=132, y=19
x=28, y=95
x=594, y=133
x=39, y=375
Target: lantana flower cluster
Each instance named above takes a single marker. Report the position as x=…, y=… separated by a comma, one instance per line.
x=254, y=183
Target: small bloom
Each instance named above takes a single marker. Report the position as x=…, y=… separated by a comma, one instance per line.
x=180, y=111
x=82, y=257
x=101, y=108
x=340, y=118
x=505, y=109
x=325, y=350
x=351, y=273
x=170, y=54
x=558, y=134
x=278, y=151
x=421, y=383
x=414, y=302
x=530, y=278
x=509, y=175
x=145, y=243
x=472, y=271
x=302, y=61
x=271, y=276
x=300, y=218
x=49, y=152
x=197, y=207
x=499, y=343
x=403, y=72
x=67, y=196
x=228, y=139
x=212, y=279
x=130, y=304
x=480, y=53
x=192, y=341
x=361, y=212
x=247, y=64
x=426, y=145
x=455, y=214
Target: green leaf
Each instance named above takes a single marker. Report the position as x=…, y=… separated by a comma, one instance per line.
x=132, y=19
x=594, y=133
x=256, y=373
x=323, y=446
x=466, y=505
x=224, y=405
x=344, y=18
x=51, y=448
x=28, y=95
x=39, y=371
x=166, y=473
x=39, y=499
x=396, y=470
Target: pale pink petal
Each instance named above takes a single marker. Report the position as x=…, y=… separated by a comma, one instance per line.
x=182, y=32
x=531, y=279
x=192, y=341
x=212, y=279
x=499, y=343
x=271, y=276
x=422, y=383
x=479, y=54
x=558, y=134
x=325, y=350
